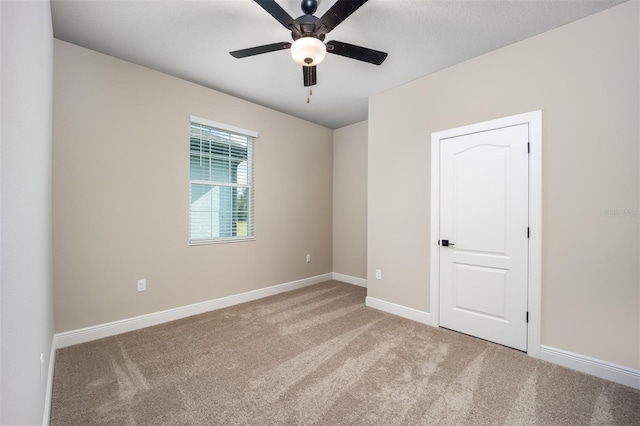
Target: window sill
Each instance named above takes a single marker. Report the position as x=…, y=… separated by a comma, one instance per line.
x=221, y=241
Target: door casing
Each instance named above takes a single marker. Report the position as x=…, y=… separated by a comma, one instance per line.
x=534, y=291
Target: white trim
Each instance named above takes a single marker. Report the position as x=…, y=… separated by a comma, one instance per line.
x=222, y=126
x=223, y=240
x=88, y=334
x=361, y=282
x=49, y=391
x=534, y=296
x=595, y=367
x=534, y=120
x=434, y=258
x=399, y=310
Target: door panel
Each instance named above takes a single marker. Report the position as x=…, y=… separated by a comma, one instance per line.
x=484, y=215
x=479, y=291
x=480, y=200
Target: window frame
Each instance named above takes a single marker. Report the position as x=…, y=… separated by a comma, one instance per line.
x=250, y=180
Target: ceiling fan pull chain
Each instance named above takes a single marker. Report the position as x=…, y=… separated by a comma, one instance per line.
x=309, y=95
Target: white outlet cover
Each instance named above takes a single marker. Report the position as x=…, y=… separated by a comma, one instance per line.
x=142, y=285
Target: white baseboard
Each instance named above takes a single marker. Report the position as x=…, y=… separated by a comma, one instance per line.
x=361, y=282
x=603, y=369
x=49, y=389
x=399, y=310
x=595, y=367
x=88, y=334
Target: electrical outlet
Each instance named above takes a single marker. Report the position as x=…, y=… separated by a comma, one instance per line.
x=378, y=274
x=308, y=258
x=142, y=285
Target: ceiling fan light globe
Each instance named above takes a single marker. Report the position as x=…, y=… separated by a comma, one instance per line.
x=308, y=51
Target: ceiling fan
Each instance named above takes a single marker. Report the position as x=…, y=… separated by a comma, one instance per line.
x=308, y=33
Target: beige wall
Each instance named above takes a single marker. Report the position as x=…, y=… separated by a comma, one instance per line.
x=584, y=78
x=26, y=304
x=350, y=200
x=121, y=193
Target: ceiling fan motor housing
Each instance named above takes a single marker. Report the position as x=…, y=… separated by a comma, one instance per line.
x=307, y=24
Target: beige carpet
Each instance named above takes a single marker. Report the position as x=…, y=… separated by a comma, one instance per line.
x=319, y=356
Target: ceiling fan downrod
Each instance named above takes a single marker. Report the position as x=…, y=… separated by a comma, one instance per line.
x=309, y=7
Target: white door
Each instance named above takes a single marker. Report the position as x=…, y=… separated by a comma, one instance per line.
x=484, y=220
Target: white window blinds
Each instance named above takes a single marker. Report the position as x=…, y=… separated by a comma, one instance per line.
x=221, y=183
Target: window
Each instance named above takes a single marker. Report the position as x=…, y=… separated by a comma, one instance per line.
x=221, y=206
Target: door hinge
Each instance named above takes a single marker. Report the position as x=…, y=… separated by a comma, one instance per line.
x=528, y=147
x=527, y=316
x=527, y=232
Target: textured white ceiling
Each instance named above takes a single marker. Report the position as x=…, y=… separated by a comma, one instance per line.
x=192, y=40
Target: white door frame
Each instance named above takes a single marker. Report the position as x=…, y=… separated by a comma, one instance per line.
x=534, y=291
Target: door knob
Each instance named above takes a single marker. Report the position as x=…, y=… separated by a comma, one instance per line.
x=446, y=243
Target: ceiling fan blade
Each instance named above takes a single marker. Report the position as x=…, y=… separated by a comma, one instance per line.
x=340, y=11
x=243, y=53
x=280, y=14
x=356, y=52
x=309, y=76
